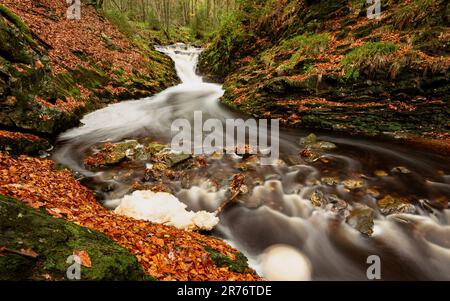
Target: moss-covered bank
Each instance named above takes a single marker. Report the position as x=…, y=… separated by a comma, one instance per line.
x=54, y=240
x=325, y=64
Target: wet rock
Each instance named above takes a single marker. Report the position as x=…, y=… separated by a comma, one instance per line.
x=380, y=173
x=373, y=192
x=310, y=155
x=324, y=145
x=19, y=143
x=112, y=154
x=353, y=183
x=400, y=169
x=361, y=218
x=308, y=140
x=247, y=164
x=173, y=159
x=337, y=205
x=146, y=152
x=331, y=181
x=394, y=205
x=318, y=199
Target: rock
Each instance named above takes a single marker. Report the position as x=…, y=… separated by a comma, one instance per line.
x=108, y=41
x=361, y=218
x=310, y=155
x=380, y=173
x=19, y=143
x=400, y=169
x=318, y=199
x=54, y=240
x=146, y=152
x=173, y=159
x=373, y=192
x=112, y=154
x=353, y=183
x=338, y=205
x=324, y=145
x=308, y=140
x=331, y=181
x=394, y=205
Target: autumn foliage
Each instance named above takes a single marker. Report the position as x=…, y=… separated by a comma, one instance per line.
x=164, y=252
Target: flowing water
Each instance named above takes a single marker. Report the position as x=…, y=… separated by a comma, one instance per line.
x=277, y=209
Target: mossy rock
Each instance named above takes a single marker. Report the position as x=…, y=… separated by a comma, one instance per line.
x=54, y=240
x=23, y=145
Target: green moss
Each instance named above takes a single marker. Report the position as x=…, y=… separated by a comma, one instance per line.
x=238, y=265
x=17, y=21
x=364, y=56
x=23, y=227
x=416, y=13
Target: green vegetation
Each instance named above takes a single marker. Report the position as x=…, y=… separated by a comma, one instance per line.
x=367, y=55
x=304, y=46
x=54, y=240
x=415, y=13
x=8, y=14
x=171, y=20
x=238, y=265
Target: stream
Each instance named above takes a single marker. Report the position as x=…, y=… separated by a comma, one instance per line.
x=274, y=224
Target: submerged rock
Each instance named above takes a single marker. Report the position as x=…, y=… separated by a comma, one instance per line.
x=331, y=181
x=361, y=218
x=313, y=148
x=401, y=169
x=393, y=205
x=146, y=152
x=318, y=199
x=325, y=145
x=380, y=173
x=308, y=140
x=353, y=183
x=111, y=154
x=310, y=155
x=173, y=159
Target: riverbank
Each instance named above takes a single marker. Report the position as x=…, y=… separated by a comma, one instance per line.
x=328, y=66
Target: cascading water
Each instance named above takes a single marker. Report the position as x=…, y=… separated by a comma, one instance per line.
x=275, y=224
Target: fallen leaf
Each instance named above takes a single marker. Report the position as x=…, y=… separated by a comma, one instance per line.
x=84, y=257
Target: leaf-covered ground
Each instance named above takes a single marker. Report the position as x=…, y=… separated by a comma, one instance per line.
x=164, y=252
x=56, y=69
